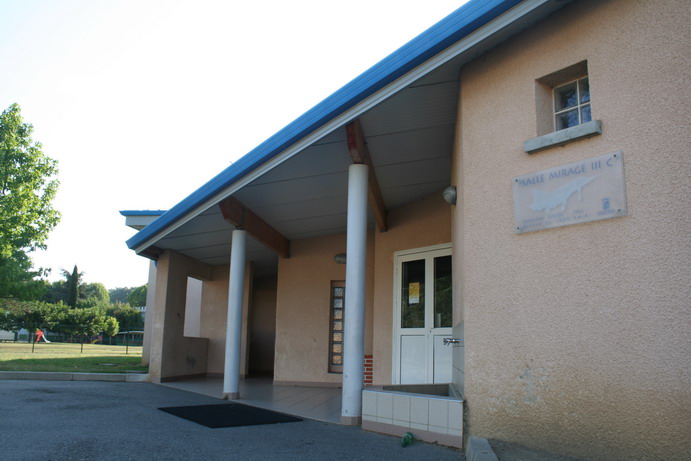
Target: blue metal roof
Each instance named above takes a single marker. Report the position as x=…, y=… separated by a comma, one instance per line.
x=446, y=32
x=142, y=212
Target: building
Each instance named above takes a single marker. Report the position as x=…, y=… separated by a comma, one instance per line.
x=559, y=254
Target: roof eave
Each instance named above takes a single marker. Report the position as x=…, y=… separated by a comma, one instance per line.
x=337, y=108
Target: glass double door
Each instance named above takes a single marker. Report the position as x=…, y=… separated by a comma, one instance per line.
x=423, y=316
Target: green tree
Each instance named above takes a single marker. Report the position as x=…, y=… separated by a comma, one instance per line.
x=129, y=318
x=89, y=294
x=84, y=303
x=111, y=327
x=18, y=280
x=73, y=282
x=119, y=295
x=33, y=315
x=55, y=292
x=8, y=317
x=137, y=297
x=83, y=323
x=28, y=183
x=96, y=291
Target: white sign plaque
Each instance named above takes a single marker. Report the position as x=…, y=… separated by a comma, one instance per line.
x=588, y=190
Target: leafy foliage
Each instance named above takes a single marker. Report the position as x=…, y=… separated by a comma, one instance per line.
x=119, y=295
x=129, y=318
x=73, y=281
x=18, y=279
x=137, y=297
x=111, y=327
x=90, y=294
x=8, y=318
x=83, y=322
x=55, y=292
x=27, y=187
x=96, y=291
x=32, y=315
x=91, y=317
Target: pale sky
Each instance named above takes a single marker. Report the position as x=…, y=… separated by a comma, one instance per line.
x=143, y=101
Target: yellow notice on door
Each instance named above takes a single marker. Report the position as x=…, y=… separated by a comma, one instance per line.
x=414, y=293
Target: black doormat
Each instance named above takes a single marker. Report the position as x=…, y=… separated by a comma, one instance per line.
x=229, y=415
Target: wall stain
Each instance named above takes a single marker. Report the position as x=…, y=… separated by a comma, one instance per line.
x=532, y=379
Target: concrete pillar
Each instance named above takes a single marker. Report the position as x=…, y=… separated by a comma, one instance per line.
x=356, y=266
x=231, y=372
x=173, y=356
x=149, y=313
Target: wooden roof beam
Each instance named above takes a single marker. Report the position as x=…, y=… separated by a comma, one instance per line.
x=242, y=217
x=360, y=154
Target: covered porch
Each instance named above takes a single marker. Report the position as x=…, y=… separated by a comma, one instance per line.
x=318, y=403
x=263, y=264
x=339, y=212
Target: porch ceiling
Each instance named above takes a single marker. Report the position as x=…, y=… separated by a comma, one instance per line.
x=410, y=141
x=408, y=122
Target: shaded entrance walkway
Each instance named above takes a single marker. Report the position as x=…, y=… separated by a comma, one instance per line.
x=318, y=403
x=94, y=421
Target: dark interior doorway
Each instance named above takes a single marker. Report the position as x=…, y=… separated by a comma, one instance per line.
x=262, y=327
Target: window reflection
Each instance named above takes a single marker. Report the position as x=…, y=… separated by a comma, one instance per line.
x=413, y=294
x=443, y=292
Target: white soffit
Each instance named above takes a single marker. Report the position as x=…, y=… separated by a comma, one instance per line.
x=482, y=39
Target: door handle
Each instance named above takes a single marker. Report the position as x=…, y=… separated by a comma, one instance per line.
x=448, y=341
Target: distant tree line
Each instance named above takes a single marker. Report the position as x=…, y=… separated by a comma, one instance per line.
x=135, y=296
x=73, y=292
x=79, y=323
x=80, y=310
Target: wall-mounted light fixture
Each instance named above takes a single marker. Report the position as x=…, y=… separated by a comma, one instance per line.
x=449, y=195
x=340, y=258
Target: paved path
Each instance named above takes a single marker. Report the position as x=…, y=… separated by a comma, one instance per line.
x=73, y=420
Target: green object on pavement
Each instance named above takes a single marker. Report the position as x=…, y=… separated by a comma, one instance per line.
x=407, y=439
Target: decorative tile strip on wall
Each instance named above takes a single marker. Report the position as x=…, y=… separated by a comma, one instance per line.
x=369, y=370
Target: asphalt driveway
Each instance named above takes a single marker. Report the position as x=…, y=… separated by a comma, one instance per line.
x=73, y=420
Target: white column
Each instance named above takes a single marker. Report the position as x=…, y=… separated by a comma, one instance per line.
x=231, y=371
x=356, y=266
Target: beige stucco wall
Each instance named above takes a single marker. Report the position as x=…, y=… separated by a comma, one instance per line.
x=422, y=223
x=578, y=338
x=214, y=315
x=302, y=309
x=149, y=313
x=176, y=355
x=172, y=354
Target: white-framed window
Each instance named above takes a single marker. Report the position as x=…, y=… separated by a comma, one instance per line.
x=563, y=109
x=572, y=104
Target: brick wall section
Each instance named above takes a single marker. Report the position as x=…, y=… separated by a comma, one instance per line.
x=369, y=370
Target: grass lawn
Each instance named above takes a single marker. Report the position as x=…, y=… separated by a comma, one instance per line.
x=97, y=358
